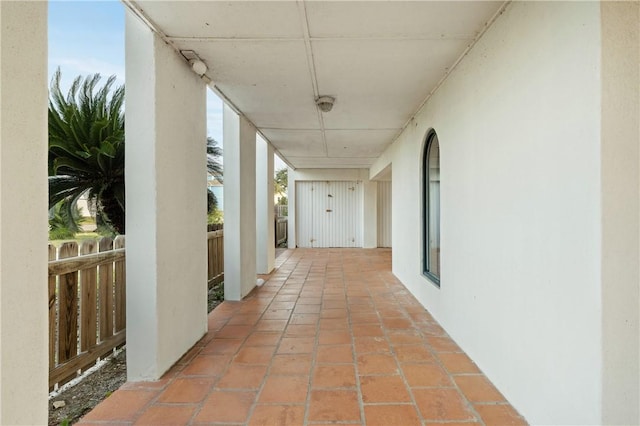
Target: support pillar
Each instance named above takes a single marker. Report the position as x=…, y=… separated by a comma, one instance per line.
x=239, y=205
x=265, y=221
x=370, y=217
x=292, y=237
x=23, y=214
x=620, y=214
x=166, y=204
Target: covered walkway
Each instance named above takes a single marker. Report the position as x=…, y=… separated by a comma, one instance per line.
x=332, y=337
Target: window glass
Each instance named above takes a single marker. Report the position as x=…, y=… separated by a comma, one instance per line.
x=431, y=170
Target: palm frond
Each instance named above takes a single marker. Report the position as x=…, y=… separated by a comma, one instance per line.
x=214, y=153
x=86, y=141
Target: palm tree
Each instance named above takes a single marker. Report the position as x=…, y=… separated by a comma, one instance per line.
x=61, y=225
x=214, y=152
x=280, y=183
x=214, y=168
x=86, y=147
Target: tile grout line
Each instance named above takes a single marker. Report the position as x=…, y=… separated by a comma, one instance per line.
x=397, y=361
x=438, y=362
x=213, y=388
x=363, y=418
x=275, y=350
x=260, y=389
x=307, y=401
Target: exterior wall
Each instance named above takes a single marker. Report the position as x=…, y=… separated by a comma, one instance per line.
x=384, y=213
x=519, y=127
x=620, y=213
x=23, y=214
x=166, y=204
x=369, y=218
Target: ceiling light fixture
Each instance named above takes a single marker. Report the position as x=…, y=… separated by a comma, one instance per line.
x=199, y=67
x=325, y=103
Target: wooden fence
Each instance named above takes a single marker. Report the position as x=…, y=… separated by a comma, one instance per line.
x=281, y=210
x=87, y=304
x=215, y=263
x=282, y=225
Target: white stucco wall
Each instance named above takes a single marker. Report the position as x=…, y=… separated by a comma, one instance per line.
x=369, y=210
x=620, y=212
x=166, y=204
x=519, y=127
x=23, y=214
x=265, y=228
x=240, y=205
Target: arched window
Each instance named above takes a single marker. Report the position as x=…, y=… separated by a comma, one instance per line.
x=431, y=208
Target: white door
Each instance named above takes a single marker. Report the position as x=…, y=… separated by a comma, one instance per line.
x=329, y=214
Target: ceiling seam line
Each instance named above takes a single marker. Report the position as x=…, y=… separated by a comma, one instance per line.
x=137, y=11
x=357, y=129
x=345, y=38
x=488, y=25
x=302, y=11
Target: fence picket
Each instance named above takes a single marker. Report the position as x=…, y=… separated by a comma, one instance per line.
x=219, y=254
x=105, y=277
x=68, y=315
x=88, y=299
x=211, y=267
x=120, y=287
x=215, y=259
x=53, y=311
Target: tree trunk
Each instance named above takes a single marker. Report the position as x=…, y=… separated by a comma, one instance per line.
x=112, y=211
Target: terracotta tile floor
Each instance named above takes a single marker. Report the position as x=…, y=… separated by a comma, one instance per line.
x=332, y=337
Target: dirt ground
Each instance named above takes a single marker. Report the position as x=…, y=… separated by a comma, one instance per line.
x=81, y=398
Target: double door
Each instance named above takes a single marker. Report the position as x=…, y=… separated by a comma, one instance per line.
x=329, y=213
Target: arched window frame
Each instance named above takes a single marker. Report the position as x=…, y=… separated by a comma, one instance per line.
x=432, y=272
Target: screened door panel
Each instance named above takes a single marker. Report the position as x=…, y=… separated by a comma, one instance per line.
x=330, y=213
x=304, y=213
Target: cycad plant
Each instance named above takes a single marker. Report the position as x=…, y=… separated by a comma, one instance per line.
x=214, y=152
x=214, y=168
x=86, y=147
x=63, y=221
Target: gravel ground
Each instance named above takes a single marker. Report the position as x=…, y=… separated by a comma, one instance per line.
x=81, y=398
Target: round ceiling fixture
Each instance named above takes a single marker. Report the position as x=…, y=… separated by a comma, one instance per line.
x=325, y=103
x=199, y=67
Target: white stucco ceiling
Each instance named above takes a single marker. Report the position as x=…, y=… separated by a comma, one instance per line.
x=271, y=59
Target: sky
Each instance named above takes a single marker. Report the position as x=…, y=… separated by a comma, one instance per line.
x=87, y=37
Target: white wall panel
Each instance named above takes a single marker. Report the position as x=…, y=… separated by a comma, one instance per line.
x=304, y=213
x=384, y=214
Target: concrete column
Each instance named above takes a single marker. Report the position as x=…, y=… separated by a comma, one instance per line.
x=23, y=214
x=166, y=204
x=291, y=220
x=620, y=174
x=265, y=232
x=370, y=213
x=239, y=205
